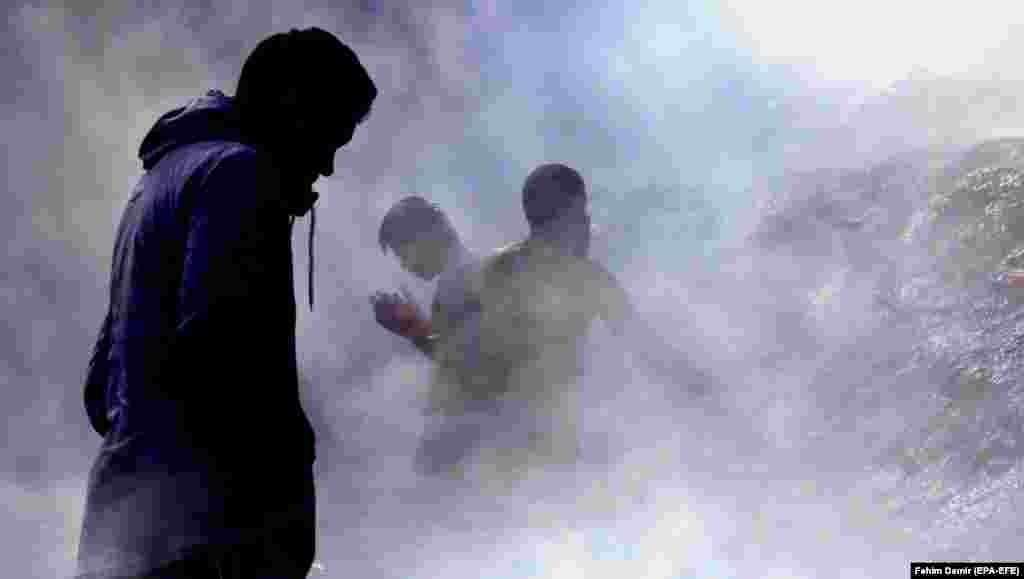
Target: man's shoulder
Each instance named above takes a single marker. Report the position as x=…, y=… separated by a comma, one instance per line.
x=229, y=170
x=527, y=256
x=490, y=260
x=515, y=256
x=225, y=154
x=205, y=157
x=599, y=271
x=535, y=253
x=504, y=252
x=459, y=274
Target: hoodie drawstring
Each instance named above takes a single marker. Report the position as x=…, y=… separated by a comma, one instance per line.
x=309, y=264
x=312, y=232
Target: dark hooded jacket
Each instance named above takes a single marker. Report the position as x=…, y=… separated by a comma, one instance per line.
x=193, y=381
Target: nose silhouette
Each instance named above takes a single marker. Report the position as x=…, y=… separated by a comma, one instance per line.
x=328, y=168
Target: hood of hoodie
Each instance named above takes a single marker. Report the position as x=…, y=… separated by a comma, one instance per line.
x=211, y=117
x=214, y=117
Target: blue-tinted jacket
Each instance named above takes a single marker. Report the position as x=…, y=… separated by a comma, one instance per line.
x=193, y=381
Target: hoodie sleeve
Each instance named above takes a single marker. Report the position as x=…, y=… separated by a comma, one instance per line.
x=96, y=380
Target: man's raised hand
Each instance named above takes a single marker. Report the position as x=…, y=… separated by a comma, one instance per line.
x=399, y=315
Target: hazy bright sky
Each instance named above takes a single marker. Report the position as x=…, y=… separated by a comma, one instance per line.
x=878, y=41
x=713, y=94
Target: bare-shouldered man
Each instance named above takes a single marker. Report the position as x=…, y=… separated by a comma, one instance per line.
x=538, y=299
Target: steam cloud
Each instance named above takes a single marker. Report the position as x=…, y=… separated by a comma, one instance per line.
x=681, y=135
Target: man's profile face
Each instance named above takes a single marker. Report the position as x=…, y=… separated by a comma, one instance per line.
x=318, y=147
x=424, y=258
x=581, y=233
x=576, y=226
x=319, y=127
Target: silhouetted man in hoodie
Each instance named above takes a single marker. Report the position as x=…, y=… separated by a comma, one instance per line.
x=206, y=464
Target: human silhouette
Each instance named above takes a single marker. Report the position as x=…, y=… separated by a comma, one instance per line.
x=205, y=470
x=427, y=245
